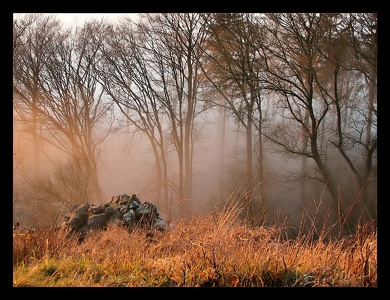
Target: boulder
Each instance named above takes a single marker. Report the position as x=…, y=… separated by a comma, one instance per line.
x=121, y=210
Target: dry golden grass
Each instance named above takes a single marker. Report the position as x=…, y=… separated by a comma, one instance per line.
x=213, y=250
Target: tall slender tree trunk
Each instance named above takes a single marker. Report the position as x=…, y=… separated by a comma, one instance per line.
x=37, y=163
x=181, y=175
x=371, y=96
x=304, y=173
x=165, y=177
x=222, y=140
x=158, y=167
x=249, y=164
x=263, y=199
x=188, y=136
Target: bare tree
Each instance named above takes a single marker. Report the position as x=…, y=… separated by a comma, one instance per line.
x=33, y=42
x=127, y=76
x=233, y=70
x=293, y=54
x=151, y=71
x=68, y=103
x=362, y=30
x=174, y=43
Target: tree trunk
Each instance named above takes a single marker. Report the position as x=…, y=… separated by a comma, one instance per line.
x=304, y=173
x=249, y=164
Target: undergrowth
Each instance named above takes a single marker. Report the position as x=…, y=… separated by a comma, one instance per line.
x=214, y=250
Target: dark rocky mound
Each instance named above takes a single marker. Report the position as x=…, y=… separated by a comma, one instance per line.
x=121, y=210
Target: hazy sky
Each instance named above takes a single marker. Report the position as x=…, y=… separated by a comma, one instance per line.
x=80, y=18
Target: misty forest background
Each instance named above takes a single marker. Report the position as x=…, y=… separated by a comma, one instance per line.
x=196, y=112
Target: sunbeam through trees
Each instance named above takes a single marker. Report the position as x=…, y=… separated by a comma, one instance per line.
x=188, y=109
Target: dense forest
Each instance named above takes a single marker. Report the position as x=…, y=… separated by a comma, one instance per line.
x=274, y=114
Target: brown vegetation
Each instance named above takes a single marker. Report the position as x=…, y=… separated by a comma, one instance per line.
x=213, y=250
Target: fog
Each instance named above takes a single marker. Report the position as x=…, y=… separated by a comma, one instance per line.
x=129, y=167
x=137, y=109
x=126, y=166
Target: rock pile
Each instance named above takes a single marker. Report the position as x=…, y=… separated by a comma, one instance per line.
x=121, y=210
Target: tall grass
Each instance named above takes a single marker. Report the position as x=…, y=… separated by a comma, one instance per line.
x=212, y=250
